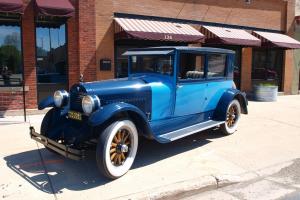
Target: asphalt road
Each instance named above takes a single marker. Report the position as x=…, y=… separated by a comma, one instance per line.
x=282, y=185
x=269, y=136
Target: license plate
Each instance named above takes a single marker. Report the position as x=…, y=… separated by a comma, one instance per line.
x=75, y=115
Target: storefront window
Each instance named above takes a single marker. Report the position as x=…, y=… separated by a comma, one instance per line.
x=51, y=51
x=121, y=62
x=267, y=66
x=11, y=70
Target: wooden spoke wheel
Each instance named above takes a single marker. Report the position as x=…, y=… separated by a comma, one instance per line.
x=232, y=114
x=232, y=117
x=120, y=147
x=117, y=148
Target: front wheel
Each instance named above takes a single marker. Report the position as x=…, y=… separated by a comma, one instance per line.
x=232, y=117
x=117, y=148
x=47, y=124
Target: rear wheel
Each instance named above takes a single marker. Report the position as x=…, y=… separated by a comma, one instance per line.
x=232, y=117
x=117, y=148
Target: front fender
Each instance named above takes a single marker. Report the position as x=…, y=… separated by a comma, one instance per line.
x=136, y=115
x=45, y=103
x=221, y=110
x=110, y=110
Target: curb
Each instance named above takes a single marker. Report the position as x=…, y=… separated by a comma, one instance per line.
x=183, y=188
x=20, y=113
x=201, y=184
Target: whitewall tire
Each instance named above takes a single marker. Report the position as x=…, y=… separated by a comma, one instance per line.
x=233, y=115
x=117, y=148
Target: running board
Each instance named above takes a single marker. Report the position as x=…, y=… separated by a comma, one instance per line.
x=175, y=135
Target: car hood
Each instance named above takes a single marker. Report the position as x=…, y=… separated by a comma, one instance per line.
x=120, y=86
x=109, y=87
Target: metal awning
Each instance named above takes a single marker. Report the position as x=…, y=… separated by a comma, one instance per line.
x=55, y=8
x=230, y=36
x=144, y=29
x=11, y=6
x=277, y=40
x=142, y=53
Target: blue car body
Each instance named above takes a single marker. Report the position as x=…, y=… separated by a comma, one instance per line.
x=163, y=107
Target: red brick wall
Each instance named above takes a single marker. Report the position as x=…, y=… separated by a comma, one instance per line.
x=28, y=38
x=87, y=39
x=11, y=101
x=73, y=52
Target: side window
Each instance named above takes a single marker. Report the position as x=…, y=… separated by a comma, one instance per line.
x=191, y=66
x=216, y=65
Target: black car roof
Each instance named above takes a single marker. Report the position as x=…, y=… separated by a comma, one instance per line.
x=186, y=48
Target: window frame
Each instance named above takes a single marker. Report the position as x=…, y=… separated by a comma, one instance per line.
x=43, y=23
x=179, y=67
x=225, y=75
x=130, y=73
x=205, y=77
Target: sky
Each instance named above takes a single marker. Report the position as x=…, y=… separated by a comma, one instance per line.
x=57, y=35
x=8, y=30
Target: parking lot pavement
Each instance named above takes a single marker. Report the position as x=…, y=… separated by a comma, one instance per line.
x=268, y=136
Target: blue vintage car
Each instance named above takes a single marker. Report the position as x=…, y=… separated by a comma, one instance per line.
x=170, y=93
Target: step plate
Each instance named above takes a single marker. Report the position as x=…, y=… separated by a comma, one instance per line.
x=175, y=135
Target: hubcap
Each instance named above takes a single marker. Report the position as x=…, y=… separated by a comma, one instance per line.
x=120, y=147
x=232, y=116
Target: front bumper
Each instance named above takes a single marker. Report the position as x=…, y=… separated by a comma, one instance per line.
x=62, y=149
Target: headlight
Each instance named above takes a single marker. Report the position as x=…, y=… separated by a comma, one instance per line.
x=90, y=104
x=61, y=98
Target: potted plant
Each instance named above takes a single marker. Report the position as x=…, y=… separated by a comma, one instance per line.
x=265, y=92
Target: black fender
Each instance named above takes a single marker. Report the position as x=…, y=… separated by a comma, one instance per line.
x=231, y=94
x=45, y=103
x=109, y=111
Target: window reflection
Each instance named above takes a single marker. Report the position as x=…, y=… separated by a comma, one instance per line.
x=11, y=72
x=51, y=54
x=51, y=51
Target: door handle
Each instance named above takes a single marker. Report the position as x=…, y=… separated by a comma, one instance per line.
x=178, y=86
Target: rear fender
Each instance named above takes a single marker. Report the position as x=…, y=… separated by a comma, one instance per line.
x=231, y=94
x=107, y=112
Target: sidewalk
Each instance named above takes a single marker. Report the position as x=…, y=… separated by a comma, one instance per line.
x=268, y=136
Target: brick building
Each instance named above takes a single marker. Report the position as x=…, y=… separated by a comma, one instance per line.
x=48, y=44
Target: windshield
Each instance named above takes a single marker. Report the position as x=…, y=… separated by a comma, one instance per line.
x=161, y=64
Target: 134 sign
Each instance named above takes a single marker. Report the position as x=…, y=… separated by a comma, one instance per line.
x=168, y=37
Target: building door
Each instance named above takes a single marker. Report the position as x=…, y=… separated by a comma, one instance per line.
x=51, y=59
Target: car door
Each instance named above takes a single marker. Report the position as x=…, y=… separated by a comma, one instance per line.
x=217, y=82
x=191, y=85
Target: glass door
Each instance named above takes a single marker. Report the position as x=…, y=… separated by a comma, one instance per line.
x=51, y=59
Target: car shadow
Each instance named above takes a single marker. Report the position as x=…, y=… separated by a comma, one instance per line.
x=51, y=173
